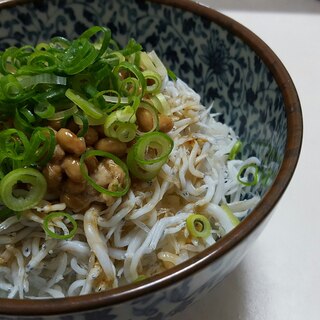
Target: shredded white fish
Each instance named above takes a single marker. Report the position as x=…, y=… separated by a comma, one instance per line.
x=143, y=232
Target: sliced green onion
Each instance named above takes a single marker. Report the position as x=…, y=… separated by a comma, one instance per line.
x=80, y=54
x=135, y=102
x=131, y=70
x=141, y=277
x=120, y=124
x=113, y=100
x=198, y=226
x=42, y=145
x=232, y=218
x=110, y=126
x=44, y=109
x=20, y=199
x=59, y=44
x=131, y=47
x=7, y=61
x=42, y=78
x=39, y=62
x=96, y=96
x=116, y=98
x=114, y=58
x=87, y=107
x=160, y=102
x=147, y=156
x=53, y=93
x=97, y=153
x=248, y=174
x=126, y=114
x=153, y=80
x=172, y=75
x=146, y=62
x=126, y=131
x=11, y=89
x=42, y=46
x=93, y=122
x=130, y=87
x=21, y=123
x=100, y=45
x=48, y=222
x=153, y=147
x=103, y=76
x=235, y=150
x=28, y=114
x=67, y=113
x=137, y=171
x=13, y=144
x=82, y=120
x=81, y=80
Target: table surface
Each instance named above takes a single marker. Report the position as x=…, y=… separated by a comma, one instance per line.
x=279, y=278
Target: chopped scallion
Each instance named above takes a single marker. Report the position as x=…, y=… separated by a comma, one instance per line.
x=198, y=226
x=49, y=223
x=22, y=188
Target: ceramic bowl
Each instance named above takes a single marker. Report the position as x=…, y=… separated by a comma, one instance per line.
x=225, y=63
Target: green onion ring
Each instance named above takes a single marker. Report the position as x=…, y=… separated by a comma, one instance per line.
x=81, y=119
x=139, y=165
x=132, y=70
x=126, y=131
x=44, y=109
x=31, y=197
x=77, y=57
x=87, y=107
x=156, y=80
x=106, y=37
x=242, y=171
x=116, y=160
x=156, y=140
x=21, y=123
x=118, y=118
x=48, y=218
x=42, y=78
x=11, y=88
x=39, y=62
x=160, y=102
x=235, y=150
x=64, y=113
x=42, y=145
x=59, y=43
x=7, y=61
x=136, y=170
x=131, y=47
x=196, y=221
x=13, y=144
x=233, y=219
x=130, y=87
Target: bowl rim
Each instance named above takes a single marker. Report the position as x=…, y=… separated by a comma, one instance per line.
x=59, y=306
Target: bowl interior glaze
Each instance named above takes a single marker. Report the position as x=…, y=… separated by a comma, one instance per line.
x=222, y=60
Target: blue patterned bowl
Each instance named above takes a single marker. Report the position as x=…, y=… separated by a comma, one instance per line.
x=224, y=62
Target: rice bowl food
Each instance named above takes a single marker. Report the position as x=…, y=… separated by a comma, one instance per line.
x=112, y=170
x=237, y=76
